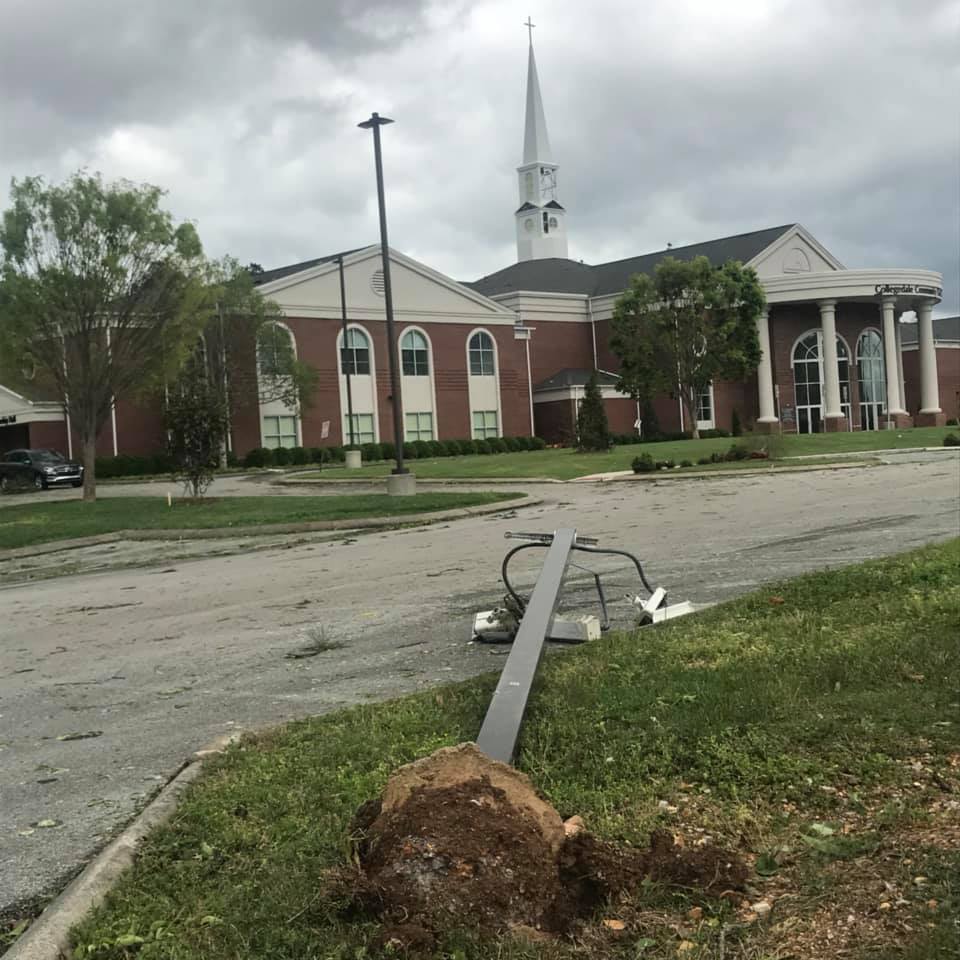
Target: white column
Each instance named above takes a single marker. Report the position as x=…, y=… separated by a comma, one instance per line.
x=894, y=404
x=898, y=326
x=831, y=373
x=768, y=412
x=929, y=385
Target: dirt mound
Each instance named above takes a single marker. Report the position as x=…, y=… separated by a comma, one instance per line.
x=460, y=840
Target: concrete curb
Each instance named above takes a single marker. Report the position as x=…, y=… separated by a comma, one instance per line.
x=267, y=529
x=421, y=481
x=628, y=477
x=47, y=938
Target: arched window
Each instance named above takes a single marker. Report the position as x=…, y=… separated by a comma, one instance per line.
x=275, y=350
x=482, y=362
x=872, y=377
x=415, y=354
x=355, y=353
x=807, y=362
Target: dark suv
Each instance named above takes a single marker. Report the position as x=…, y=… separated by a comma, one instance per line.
x=39, y=469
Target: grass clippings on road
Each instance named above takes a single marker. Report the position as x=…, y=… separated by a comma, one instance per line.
x=36, y=522
x=812, y=726
x=567, y=463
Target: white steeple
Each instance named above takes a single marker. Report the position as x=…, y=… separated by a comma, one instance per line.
x=541, y=230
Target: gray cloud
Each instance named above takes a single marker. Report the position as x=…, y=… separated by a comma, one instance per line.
x=672, y=121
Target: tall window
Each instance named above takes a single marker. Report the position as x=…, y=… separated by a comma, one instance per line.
x=870, y=372
x=806, y=377
x=279, y=432
x=419, y=426
x=485, y=424
x=362, y=428
x=705, y=407
x=355, y=353
x=482, y=362
x=275, y=350
x=414, y=354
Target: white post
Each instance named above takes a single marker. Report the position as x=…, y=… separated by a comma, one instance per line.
x=768, y=412
x=929, y=385
x=900, y=379
x=894, y=404
x=831, y=372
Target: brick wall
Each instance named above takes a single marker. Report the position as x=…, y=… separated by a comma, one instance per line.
x=948, y=376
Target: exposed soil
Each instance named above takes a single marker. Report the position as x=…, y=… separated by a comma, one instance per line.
x=459, y=840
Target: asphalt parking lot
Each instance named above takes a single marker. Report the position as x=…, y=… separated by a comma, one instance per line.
x=109, y=681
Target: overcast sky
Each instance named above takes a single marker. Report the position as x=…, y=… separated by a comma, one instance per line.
x=672, y=120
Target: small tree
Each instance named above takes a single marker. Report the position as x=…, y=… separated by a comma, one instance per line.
x=196, y=422
x=593, y=431
x=101, y=294
x=687, y=325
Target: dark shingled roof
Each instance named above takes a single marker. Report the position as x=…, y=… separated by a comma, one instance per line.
x=278, y=272
x=573, y=377
x=945, y=329
x=556, y=275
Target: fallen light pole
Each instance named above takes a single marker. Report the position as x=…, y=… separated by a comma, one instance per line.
x=528, y=624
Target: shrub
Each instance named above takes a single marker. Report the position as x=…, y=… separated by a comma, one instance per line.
x=299, y=456
x=281, y=456
x=953, y=422
x=481, y=446
x=337, y=454
x=736, y=427
x=388, y=450
x=371, y=452
x=643, y=464
x=511, y=444
x=497, y=445
x=737, y=452
x=951, y=440
x=437, y=449
x=451, y=448
x=593, y=430
x=423, y=449
x=538, y=443
x=232, y=459
x=522, y=443
x=409, y=451
x=258, y=457
x=315, y=454
x=715, y=432
x=703, y=461
x=468, y=446
x=686, y=463
x=665, y=464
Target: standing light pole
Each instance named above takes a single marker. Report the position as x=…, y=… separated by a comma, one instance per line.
x=375, y=123
x=343, y=314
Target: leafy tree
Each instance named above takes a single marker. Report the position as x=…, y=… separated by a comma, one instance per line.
x=101, y=295
x=195, y=414
x=250, y=355
x=687, y=325
x=593, y=431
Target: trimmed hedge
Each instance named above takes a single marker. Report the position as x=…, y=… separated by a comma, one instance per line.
x=130, y=466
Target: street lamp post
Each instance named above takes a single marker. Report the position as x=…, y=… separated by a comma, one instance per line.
x=375, y=123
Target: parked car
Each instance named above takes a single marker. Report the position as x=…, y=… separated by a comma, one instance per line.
x=39, y=469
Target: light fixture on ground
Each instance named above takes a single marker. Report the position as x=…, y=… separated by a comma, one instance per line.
x=400, y=482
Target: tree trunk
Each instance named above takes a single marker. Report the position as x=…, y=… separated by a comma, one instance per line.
x=88, y=442
x=691, y=408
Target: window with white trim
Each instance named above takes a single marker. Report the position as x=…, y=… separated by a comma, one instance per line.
x=362, y=428
x=280, y=431
x=419, y=426
x=705, y=407
x=355, y=353
x=414, y=354
x=485, y=424
x=275, y=351
x=482, y=358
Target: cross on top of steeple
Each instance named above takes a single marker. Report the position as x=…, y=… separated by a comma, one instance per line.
x=529, y=24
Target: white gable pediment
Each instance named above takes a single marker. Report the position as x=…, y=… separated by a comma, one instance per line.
x=420, y=294
x=794, y=252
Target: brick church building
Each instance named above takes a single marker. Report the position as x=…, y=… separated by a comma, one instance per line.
x=509, y=354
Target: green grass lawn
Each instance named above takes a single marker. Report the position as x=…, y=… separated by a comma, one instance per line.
x=37, y=522
x=812, y=726
x=567, y=464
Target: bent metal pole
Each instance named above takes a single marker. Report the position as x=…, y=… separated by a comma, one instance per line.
x=501, y=726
